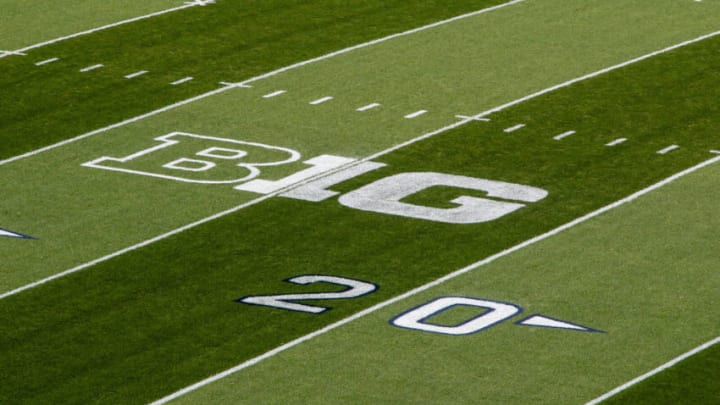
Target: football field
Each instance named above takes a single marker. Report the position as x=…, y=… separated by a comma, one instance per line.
x=360, y=202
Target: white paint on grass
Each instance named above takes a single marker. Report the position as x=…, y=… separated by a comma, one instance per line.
x=430, y=285
x=46, y=61
x=104, y=27
x=232, y=84
x=93, y=67
x=368, y=107
x=616, y=142
x=668, y=149
x=274, y=94
x=563, y=135
x=513, y=128
x=321, y=100
x=181, y=81
x=652, y=372
x=136, y=74
x=415, y=114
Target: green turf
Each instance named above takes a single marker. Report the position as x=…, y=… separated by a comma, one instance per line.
x=693, y=381
x=23, y=25
x=230, y=41
x=101, y=214
x=607, y=273
x=137, y=327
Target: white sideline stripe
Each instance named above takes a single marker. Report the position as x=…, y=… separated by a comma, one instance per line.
x=415, y=114
x=368, y=107
x=222, y=89
x=431, y=284
x=379, y=40
x=136, y=74
x=46, y=61
x=651, y=373
x=616, y=142
x=271, y=95
x=321, y=100
x=93, y=67
x=514, y=128
x=563, y=135
x=668, y=149
x=181, y=81
x=104, y=27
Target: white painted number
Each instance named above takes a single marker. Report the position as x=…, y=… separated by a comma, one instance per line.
x=355, y=289
x=417, y=318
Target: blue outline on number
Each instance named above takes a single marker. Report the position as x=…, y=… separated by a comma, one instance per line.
x=19, y=235
x=588, y=330
x=520, y=310
x=287, y=280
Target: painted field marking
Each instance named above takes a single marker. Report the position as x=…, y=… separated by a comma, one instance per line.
x=651, y=373
x=321, y=100
x=415, y=114
x=104, y=27
x=8, y=53
x=513, y=128
x=368, y=107
x=431, y=284
x=260, y=199
x=232, y=84
x=616, y=142
x=181, y=81
x=465, y=117
x=667, y=150
x=563, y=135
x=46, y=61
x=274, y=94
x=93, y=67
x=136, y=74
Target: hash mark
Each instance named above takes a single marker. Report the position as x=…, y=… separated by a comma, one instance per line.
x=616, y=142
x=668, y=149
x=513, y=128
x=368, y=107
x=415, y=114
x=181, y=81
x=274, y=94
x=321, y=100
x=563, y=135
x=93, y=67
x=136, y=74
x=46, y=61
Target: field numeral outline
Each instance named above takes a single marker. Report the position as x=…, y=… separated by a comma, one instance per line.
x=355, y=289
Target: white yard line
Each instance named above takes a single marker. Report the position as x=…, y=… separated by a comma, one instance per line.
x=386, y=151
x=431, y=284
x=652, y=372
x=104, y=27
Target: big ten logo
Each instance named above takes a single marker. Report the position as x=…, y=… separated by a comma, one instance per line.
x=209, y=160
x=200, y=159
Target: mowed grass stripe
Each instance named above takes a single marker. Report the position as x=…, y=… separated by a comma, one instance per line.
x=654, y=301
x=227, y=41
x=174, y=303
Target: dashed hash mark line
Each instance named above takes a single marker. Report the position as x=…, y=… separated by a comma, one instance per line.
x=668, y=149
x=46, y=61
x=181, y=81
x=368, y=107
x=136, y=74
x=563, y=135
x=274, y=94
x=616, y=142
x=415, y=114
x=93, y=67
x=321, y=100
x=513, y=128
